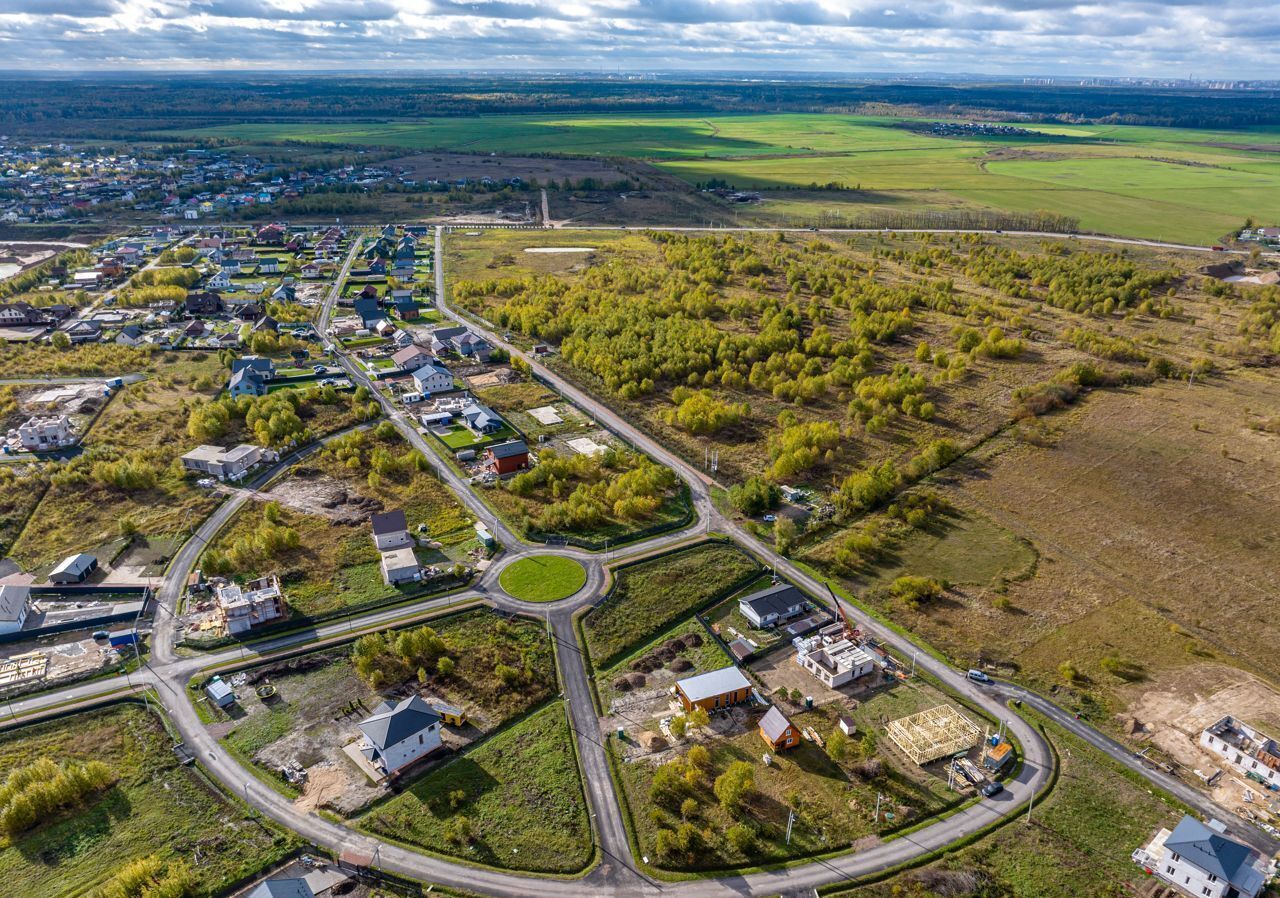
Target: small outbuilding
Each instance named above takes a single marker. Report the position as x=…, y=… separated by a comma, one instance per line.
x=220, y=693
x=778, y=731
x=74, y=568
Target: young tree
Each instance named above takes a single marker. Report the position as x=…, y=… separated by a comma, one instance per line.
x=733, y=785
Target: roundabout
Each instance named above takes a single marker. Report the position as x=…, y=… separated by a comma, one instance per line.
x=542, y=578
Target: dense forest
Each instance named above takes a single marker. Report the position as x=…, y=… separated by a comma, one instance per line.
x=103, y=108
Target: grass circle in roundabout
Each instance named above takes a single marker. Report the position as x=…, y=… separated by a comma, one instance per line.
x=542, y=578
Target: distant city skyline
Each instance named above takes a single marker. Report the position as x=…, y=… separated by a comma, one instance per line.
x=1227, y=40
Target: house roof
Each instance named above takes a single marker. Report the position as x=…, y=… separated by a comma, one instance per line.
x=282, y=888
x=254, y=363
x=1215, y=853
x=13, y=599
x=774, y=724
x=389, y=522
x=509, y=449
x=717, y=682
x=218, y=689
x=409, y=717
x=76, y=565
x=408, y=354
x=777, y=599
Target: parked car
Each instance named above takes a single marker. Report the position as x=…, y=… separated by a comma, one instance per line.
x=206, y=483
x=990, y=790
x=978, y=676
x=319, y=369
x=769, y=518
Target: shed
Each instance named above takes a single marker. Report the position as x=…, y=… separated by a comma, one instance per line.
x=121, y=638
x=450, y=714
x=847, y=726
x=219, y=692
x=74, y=568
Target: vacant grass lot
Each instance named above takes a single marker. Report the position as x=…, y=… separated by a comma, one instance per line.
x=543, y=578
x=144, y=424
x=335, y=564
x=647, y=597
x=157, y=807
x=1118, y=507
x=315, y=689
x=1138, y=181
x=521, y=806
x=1078, y=843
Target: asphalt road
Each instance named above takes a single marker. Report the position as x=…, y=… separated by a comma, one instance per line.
x=617, y=874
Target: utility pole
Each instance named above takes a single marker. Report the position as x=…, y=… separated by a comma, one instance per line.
x=791, y=819
x=1030, y=803
x=878, y=798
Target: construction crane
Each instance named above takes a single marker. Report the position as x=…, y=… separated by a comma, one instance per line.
x=851, y=633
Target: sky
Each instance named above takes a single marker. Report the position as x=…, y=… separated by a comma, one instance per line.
x=1168, y=38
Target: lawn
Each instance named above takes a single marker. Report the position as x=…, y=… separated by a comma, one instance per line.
x=543, y=578
x=1078, y=844
x=1138, y=181
x=521, y=805
x=157, y=807
x=647, y=597
x=460, y=437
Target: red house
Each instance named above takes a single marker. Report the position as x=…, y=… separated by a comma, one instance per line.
x=507, y=458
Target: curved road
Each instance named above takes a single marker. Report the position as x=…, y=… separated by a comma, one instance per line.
x=617, y=872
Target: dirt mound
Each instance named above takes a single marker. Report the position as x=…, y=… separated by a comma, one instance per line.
x=326, y=497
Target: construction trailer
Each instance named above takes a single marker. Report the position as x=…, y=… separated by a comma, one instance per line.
x=933, y=733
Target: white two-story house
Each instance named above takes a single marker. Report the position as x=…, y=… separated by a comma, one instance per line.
x=1198, y=859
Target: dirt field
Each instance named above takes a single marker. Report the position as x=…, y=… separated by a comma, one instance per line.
x=1171, y=712
x=326, y=497
x=1156, y=533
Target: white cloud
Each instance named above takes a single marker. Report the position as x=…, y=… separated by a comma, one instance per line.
x=997, y=36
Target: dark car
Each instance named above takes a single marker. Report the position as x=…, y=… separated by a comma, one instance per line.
x=990, y=790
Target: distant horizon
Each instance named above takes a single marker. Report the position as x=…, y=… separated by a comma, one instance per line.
x=657, y=75
x=1075, y=39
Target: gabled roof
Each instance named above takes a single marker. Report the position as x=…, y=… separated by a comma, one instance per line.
x=13, y=599
x=405, y=719
x=282, y=888
x=777, y=599
x=408, y=354
x=717, y=682
x=509, y=449
x=774, y=724
x=433, y=368
x=76, y=565
x=1214, y=853
x=389, y=522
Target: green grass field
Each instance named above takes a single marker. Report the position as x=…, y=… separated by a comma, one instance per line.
x=543, y=578
x=515, y=801
x=157, y=807
x=650, y=596
x=1173, y=184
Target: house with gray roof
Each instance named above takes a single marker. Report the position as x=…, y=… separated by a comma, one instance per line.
x=772, y=606
x=1199, y=859
x=282, y=888
x=396, y=736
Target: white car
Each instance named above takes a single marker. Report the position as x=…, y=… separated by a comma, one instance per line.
x=206, y=482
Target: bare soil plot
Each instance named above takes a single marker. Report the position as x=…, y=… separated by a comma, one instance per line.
x=1157, y=533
